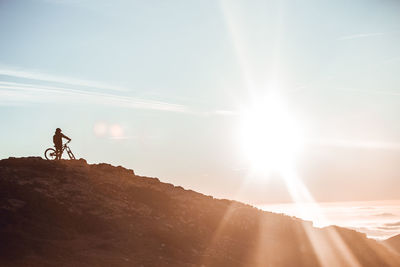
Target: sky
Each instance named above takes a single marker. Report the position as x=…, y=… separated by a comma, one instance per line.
x=163, y=87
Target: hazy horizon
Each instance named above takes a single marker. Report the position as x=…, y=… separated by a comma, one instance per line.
x=377, y=219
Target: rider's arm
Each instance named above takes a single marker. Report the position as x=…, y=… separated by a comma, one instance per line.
x=66, y=137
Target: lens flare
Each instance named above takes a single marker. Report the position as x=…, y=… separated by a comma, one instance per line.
x=116, y=131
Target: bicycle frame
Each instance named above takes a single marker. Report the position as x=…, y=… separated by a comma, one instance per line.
x=69, y=152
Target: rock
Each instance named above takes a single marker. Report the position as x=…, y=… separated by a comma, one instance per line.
x=70, y=213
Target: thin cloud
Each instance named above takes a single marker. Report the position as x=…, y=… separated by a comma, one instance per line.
x=360, y=35
x=388, y=228
x=20, y=93
x=385, y=214
x=68, y=89
x=76, y=3
x=217, y=112
x=393, y=224
x=41, y=76
x=364, y=144
x=225, y=112
x=368, y=91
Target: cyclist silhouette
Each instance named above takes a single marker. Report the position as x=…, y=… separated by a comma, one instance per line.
x=57, y=140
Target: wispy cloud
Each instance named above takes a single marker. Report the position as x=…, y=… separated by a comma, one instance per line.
x=225, y=112
x=19, y=93
x=393, y=224
x=41, y=76
x=360, y=35
x=78, y=3
x=21, y=86
x=379, y=92
x=385, y=214
x=364, y=144
x=71, y=90
x=217, y=112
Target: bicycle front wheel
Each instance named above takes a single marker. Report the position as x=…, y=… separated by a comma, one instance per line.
x=50, y=154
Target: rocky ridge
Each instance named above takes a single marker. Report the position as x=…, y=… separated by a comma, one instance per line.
x=70, y=213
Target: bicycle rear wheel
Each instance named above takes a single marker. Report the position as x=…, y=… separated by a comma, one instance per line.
x=50, y=154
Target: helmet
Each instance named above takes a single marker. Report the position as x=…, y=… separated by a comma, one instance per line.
x=58, y=130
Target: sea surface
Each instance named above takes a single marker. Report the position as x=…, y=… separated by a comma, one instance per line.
x=378, y=219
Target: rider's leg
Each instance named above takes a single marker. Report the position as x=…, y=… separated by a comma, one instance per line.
x=58, y=152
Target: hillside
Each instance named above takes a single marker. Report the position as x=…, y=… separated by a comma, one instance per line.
x=393, y=243
x=70, y=213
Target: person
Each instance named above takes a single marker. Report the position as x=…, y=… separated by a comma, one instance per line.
x=57, y=140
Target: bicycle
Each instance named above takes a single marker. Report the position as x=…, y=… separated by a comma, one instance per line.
x=51, y=154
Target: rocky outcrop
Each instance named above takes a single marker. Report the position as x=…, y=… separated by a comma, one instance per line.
x=70, y=213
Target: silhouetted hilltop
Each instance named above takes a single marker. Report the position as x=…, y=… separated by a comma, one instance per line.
x=70, y=213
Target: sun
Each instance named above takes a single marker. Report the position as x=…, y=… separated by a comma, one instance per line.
x=270, y=137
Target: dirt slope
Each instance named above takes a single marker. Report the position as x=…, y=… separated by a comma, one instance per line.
x=70, y=213
x=393, y=243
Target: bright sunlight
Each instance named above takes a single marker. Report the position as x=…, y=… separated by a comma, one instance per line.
x=270, y=136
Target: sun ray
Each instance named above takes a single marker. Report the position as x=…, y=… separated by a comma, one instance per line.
x=238, y=44
x=271, y=139
x=213, y=243
x=330, y=250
